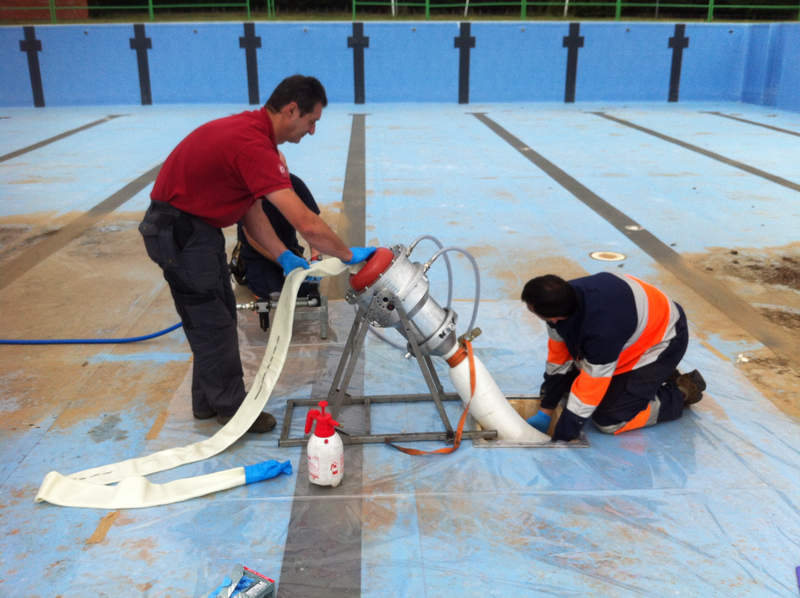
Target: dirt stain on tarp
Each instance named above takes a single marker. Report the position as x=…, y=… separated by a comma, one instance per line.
x=102, y=528
x=769, y=279
x=108, y=429
x=101, y=284
x=380, y=515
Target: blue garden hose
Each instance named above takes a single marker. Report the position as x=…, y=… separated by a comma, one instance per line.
x=87, y=341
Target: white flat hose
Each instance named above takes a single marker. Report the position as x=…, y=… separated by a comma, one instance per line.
x=88, y=488
x=489, y=406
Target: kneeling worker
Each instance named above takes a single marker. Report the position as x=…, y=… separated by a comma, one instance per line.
x=254, y=266
x=614, y=345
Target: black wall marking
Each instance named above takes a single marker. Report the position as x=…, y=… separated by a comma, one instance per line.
x=250, y=42
x=32, y=46
x=463, y=42
x=21, y=264
x=50, y=140
x=742, y=313
x=322, y=554
x=753, y=122
x=713, y=155
x=358, y=42
x=572, y=42
x=142, y=44
x=677, y=42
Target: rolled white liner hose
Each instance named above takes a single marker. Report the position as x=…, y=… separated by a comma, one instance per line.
x=89, y=488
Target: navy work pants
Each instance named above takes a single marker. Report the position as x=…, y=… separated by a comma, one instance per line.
x=263, y=276
x=632, y=392
x=191, y=254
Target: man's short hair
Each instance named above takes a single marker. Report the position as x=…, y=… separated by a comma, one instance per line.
x=550, y=296
x=306, y=91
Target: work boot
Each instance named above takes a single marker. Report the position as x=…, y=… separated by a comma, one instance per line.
x=264, y=422
x=691, y=386
x=203, y=414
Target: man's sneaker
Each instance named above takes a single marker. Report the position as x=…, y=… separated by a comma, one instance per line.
x=691, y=386
x=203, y=414
x=264, y=422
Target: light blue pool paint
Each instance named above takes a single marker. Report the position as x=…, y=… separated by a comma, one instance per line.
x=158, y=357
x=511, y=61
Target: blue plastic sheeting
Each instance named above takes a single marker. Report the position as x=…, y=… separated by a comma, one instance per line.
x=706, y=505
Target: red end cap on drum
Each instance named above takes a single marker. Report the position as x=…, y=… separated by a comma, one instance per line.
x=376, y=265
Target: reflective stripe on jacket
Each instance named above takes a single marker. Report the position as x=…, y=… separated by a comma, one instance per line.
x=621, y=324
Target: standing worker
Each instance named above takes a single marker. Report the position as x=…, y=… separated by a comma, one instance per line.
x=218, y=175
x=614, y=345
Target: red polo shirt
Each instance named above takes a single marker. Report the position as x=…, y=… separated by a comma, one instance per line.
x=222, y=167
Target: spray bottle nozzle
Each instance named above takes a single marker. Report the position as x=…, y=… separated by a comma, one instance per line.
x=325, y=421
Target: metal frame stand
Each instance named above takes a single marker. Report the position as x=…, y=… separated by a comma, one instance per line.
x=306, y=309
x=339, y=397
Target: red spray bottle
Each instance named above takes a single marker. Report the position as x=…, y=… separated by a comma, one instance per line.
x=325, y=450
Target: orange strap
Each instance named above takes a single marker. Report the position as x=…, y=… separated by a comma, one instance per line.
x=461, y=421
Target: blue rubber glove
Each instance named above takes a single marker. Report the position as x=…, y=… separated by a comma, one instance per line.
x=540, y=421
x=360, y=254
x=314, y=279
x=265, y=470
x=290, y=261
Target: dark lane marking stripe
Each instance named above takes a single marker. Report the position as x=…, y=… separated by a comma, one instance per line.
x=322, y=555
x=19, y=265
x=35, y=146
x=711, y=290
x=352, y=228
x=713, y=155
x=752, y=122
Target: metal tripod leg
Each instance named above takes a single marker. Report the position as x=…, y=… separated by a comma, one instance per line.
x=348, y=361
x=338, y=396
x=427, y=368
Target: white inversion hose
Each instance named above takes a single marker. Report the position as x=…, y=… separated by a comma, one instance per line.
x=489, y=406
x=90, y=487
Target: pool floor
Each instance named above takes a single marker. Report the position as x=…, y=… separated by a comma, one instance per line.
x=700, y=199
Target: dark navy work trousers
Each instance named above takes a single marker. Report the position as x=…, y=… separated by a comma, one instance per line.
x=629, y=393
x=191, y=254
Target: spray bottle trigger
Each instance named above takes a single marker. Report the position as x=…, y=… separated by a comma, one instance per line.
x=310, y=417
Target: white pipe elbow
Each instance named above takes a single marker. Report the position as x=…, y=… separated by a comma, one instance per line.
x=490, y=407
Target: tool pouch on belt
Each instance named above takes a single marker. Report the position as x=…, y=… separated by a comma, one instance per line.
x=165, y=231
x=237, y=265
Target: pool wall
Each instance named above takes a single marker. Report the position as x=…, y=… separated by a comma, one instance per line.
x=160, y=63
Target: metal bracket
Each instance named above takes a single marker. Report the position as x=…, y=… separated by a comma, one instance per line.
x=338, y=396
x=306, y=309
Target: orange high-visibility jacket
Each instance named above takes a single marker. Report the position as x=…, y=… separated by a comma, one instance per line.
x=621, y=324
